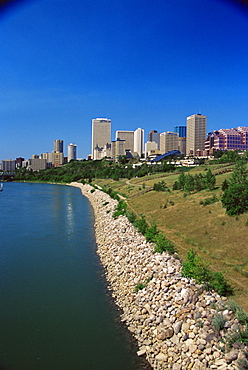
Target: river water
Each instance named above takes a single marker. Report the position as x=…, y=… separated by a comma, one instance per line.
x=55, y=311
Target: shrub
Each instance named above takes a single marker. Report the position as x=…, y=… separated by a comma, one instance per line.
x=210, y=200
x=162, y=244
x=92, y=190
x=196, y=268
x=151, y=233
x=241, y=336
x=141, y=225
x=160, y=186
x=139, y=286
x=131, y=216
x=218, y=322
x=120, y=209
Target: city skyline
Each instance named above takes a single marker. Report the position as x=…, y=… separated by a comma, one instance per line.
x=150, y=66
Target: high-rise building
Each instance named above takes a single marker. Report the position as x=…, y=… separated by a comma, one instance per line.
x=151, y=148
x=154, y=135
x=58, y=146
x=168, y=141
x=101, y=133
x=117, y=148
x=128, y=136
x=181, y=130
x=8, y=165
x=196, y=133
x=139, y=141
x=72, y=151
x=57, y=159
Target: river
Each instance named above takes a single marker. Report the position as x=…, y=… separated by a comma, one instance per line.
x=56, y=312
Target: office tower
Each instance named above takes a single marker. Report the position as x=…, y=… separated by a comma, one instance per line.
x=58, y=146
x=196, y=133
x=139, y=141
x=168, y=141
x=37, y=164
x=151, y=148
x=19, y=162
x=117, y=148
x=72, y=152
x=57, y=159
x=154, y=135
x=101, y=133
x=57, y=154
x=8, y=165
x=128, y=136
x=181, y=130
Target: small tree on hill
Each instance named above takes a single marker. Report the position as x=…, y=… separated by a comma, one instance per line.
x=235, y=196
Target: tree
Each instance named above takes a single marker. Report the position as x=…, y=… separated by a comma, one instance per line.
x=239, y=175
x=210, y=180
x=235, y=196
x=181, y=180
x=235, y=199
x=189, y=183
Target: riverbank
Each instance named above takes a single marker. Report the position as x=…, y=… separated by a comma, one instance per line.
x=177, y=326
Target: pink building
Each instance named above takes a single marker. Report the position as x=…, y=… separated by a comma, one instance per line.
x=227, y=139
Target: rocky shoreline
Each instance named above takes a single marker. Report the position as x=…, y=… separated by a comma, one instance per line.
x=177, y=325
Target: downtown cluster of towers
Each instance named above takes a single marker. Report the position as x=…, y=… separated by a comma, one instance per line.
x=186, y=139
x=190, y=140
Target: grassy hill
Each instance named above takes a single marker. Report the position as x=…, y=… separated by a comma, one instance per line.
x=217, y=237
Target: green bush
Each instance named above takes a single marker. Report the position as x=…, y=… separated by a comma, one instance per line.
x=196, y=268
x=218, y=322
x=139, y=286
x=160, y=186
x=120, y=209
x=141, y=225
x=151, y=233
x=162, y=244
x=241, y=336
x=210, y=200
x=131, y=216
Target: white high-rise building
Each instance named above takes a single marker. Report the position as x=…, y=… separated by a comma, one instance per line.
x=139, y=141
x=101, y=133
x=196, y=133
x=72, y=151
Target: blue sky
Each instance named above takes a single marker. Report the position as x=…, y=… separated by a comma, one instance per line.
x=141, y=63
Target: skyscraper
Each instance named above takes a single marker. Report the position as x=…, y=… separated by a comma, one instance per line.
x=196, y=133
x=128, y=136
x=154, y=135
x=57, y=154
x=101, y=133
x=139, y=141
x=181, y=130
x=58, y=146
x=168, y=141
x=72, y=152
